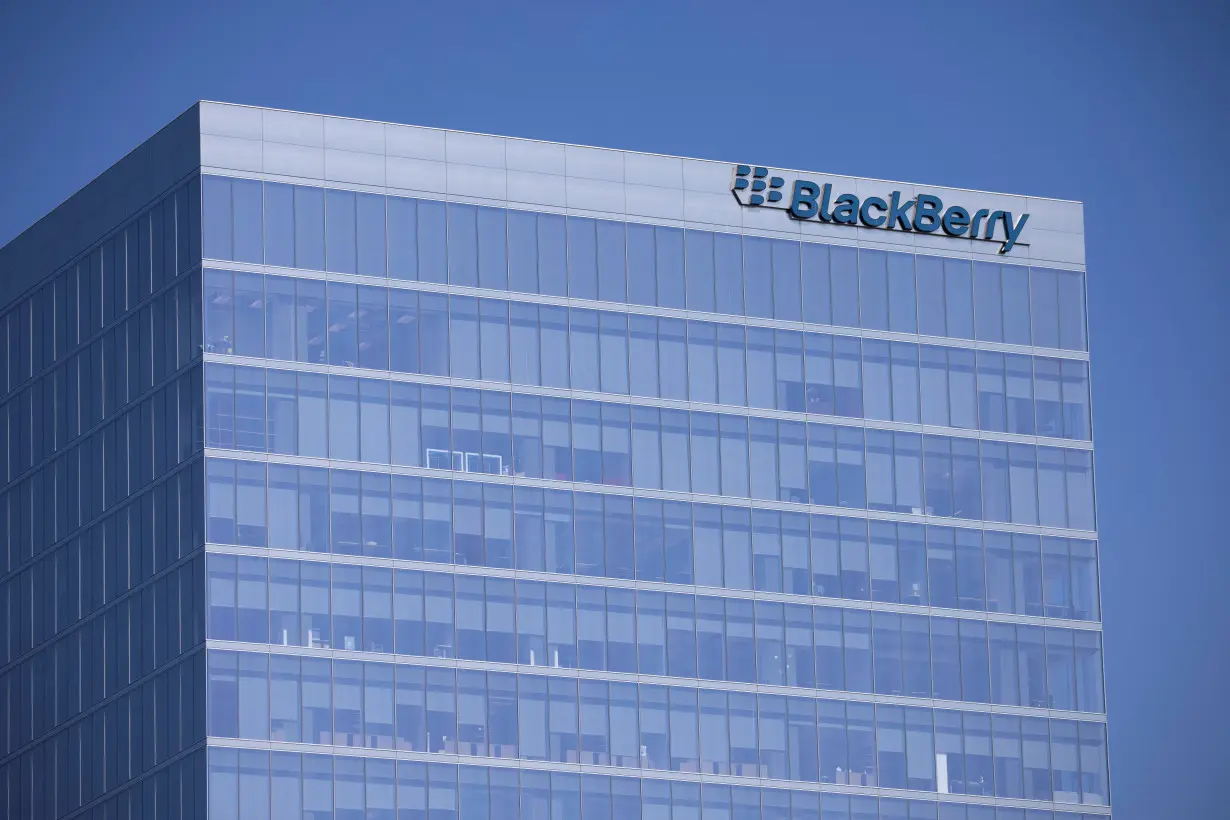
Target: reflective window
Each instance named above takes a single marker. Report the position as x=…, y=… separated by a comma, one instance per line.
x=253, y=315
x=540, y=253
x=709, y=406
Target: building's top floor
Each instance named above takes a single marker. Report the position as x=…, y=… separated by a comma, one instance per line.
x=437, y=163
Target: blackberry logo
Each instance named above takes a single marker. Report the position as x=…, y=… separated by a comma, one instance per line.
x=753, y=187
x=757, y=180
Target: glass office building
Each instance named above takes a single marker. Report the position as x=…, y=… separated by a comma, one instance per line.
x=356, y=471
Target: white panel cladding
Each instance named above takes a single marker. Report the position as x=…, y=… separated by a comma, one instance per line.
x=594, y=163
x=474, y=149
x=232, y=153
x=647, y=200
x=652, y=169
x=536, y=157
x=571, y=178
x=354, y=166
x=232, y=121
x=354, y=135
x=294, y=128
x=407, y=174
x=414, y=142
x=477, y=181
x=1055, y=215
x=285, y=159
x=537, y=189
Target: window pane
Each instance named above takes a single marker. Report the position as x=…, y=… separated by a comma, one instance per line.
x=218, y=224
x=371, y=235
x=1044, y=306
x=901, y=293
x=552, y=255
x=246, y=195
x=988, y=302
x=492, y=249
x=340, y=242
x=403, y=238
x=612, y=262
x=728, y=268
x=758, y=273
x=309, y=228
x=524, y=343
x=431, y=239
x=1015, y=285
x=373, y=325
x=817, y=299
x=959, y=298
x=523, y=251
x=699, y=271
x=279, y=225
x=462, y=245
x=873, y=288
x=786, y=288
x=1072, y=310
x=582, y=259
x=343, y=333
x=844, y=276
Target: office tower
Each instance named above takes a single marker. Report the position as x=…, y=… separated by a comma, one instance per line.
x=356, y=470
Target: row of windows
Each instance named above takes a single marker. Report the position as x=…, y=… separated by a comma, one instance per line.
x=373, y=235
x=408, y=518
x=134, y=732
x=104, y=284
x=252, y=784
x=140, y=634
x=672, y=728
x=58, y=777
x=97, y=473
x=652, y=633
x=340, y=417
x=96, y=336
x=249, y=314
x=95, y=567
x=101, y=380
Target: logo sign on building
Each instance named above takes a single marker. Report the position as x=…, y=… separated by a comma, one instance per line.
x=755, y=187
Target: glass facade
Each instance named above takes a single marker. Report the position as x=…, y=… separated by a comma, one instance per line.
x=334, y=503
x=102, y=567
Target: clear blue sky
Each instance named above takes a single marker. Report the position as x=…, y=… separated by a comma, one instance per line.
x=1120, y=104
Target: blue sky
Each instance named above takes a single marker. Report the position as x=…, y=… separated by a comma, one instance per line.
x=1121, y=105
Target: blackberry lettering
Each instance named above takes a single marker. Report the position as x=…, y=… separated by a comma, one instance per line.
x=754, y=187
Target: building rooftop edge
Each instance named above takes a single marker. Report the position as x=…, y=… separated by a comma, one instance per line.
x=631, y=151
x=165, y=157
